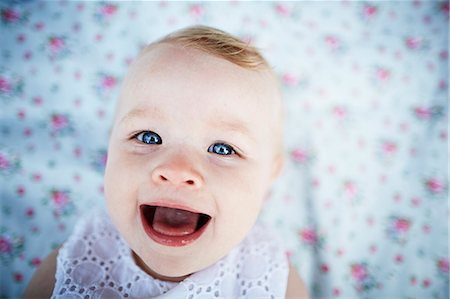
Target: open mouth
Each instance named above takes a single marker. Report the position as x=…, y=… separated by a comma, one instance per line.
x=172, y=226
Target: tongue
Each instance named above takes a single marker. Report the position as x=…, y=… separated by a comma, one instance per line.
x=174, y=222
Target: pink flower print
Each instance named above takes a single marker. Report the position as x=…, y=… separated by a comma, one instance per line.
x=20, y=190
x=435, y=185
x=333, y=42
x=38, y=100
x=10, y=163
x=36, y=262
x=324, y=268
x=104, y=12
x=282, y=9
x=4, y=162
x=416, y=201
x=443, y=266
x=21, y=114
x=5, y=86
x=21, y=38
x=61, y=202
x=59, y=121
x=27, y=55
x=77, y=152
x=383, y=74
x=197, y=10
x=290, y=79
x=10, y=247
x=350, y=189
x=108, y=9
x=29, y=212
x=56, y=47
x=359, y=272
x=80, y=7
x=363, y=280
x=340, y=252
x=423, y=112
x=445, y=8
x=389, y=147
x=36, y=177
x=299, y=155
x=426, y=282
x=402, y=225
x=398, y=228
x=34, y=229
x=414, y=42
x=18, y=277
x=369, y=11
x=308, y=236
x=336, y=292
x=399, y=258
x=10, y=85
x=443, y=84
x=340, y=112
x=105, y=83
x=109, y=82
x=9, y=15
x=60, y=198
x=5, y=245
x=426, y=229
x=39, y=26
x=56, y=43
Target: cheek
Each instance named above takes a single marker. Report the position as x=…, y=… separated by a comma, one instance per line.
x=120, y=180
x=241, y=192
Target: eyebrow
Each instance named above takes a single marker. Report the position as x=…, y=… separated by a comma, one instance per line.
x=141, y=112
x=230, y=125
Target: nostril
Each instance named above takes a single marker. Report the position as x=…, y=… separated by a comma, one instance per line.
x=178, y=178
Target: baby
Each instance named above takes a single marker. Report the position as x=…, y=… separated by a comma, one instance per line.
x=195, y=146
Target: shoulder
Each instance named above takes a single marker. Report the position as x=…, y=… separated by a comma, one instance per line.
x=43, y=280
x=296, y=287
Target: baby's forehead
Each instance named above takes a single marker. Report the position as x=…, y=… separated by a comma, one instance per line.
x=173, y=56
x=162, y=68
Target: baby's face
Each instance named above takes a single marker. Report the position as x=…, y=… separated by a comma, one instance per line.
x=192, y=154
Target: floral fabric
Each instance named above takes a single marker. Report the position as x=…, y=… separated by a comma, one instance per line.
x=362, y=203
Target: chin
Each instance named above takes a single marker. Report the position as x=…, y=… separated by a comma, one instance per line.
x=170, y=268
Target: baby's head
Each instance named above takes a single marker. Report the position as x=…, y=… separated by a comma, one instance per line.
x=195, y=146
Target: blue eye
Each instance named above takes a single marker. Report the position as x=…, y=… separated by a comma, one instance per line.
x=149, y=137
x=221, y=149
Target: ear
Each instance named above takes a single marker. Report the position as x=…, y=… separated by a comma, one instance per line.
x=277, y=166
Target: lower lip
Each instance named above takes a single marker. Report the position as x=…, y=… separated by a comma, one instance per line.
x=174, y=241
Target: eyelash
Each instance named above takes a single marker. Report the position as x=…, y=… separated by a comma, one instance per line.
x=159, y=139
x=222, y=145
x=219, y=146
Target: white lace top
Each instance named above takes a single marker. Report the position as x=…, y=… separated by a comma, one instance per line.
x=95, y=262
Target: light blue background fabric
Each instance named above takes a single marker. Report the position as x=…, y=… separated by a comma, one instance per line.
x=362, y=203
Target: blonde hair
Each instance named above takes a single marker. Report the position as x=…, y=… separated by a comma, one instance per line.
x=218, y=43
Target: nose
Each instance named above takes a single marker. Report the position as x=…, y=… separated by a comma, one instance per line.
x=178, y=174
